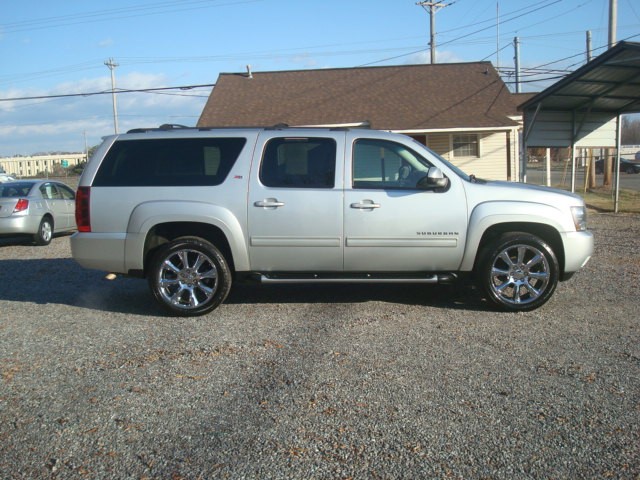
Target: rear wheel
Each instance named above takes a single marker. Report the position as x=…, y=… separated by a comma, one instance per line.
x=189, y=276
x=45, y=232
x=518, y=272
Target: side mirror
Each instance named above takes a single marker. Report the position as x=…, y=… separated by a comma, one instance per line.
x=434, y=179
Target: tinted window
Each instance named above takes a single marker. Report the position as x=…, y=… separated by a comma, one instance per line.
x=386, y=165
x=169, y=162
x=299, y=163
x=15, y=189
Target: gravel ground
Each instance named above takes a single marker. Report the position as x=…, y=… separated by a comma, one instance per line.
x=319, y=382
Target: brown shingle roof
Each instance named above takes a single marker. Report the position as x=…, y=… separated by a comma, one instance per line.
x=440, y=96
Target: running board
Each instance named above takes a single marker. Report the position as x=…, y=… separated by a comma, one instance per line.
x=442, y=278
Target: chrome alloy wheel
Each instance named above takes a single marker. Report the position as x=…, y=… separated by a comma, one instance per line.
x=187, y=279
x=520, y=274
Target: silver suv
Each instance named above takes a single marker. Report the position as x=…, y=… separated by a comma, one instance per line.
x=192, y=209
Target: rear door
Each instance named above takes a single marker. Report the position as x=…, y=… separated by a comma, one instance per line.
x=56, y=205
x=295, y=216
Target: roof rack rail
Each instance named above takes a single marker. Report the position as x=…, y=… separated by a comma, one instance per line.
x=172, y=126
x=163, y=127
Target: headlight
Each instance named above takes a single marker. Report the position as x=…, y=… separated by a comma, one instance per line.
x=579, y=218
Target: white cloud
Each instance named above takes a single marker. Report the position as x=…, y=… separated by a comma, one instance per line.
x=30, y=126
x=107, y=42
x=442, y=56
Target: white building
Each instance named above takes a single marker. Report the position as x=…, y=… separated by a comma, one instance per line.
x=36, y=165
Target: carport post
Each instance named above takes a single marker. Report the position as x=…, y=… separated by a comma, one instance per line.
x=616, y=168
x=547, y=160
x=573, y=167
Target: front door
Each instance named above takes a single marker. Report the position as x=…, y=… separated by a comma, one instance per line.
x=391, y=225
x=295, y=204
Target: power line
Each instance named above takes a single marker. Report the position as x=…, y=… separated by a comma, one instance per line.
x=536, y=9
x=107, y=92
x=157, y=8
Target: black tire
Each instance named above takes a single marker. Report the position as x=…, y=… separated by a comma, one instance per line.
x=45, y=232
x=518, y=272
x=189, y=276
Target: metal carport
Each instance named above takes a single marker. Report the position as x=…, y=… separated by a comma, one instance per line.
x=583, y=109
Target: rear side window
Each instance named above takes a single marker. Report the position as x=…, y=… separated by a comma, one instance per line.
x=299, y=163
x=169, y=162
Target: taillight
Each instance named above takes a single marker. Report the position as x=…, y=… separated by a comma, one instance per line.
x=83, y=217
x=21, y=206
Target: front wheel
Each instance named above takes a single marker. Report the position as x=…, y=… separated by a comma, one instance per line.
x=518, y=272
x=189, y=276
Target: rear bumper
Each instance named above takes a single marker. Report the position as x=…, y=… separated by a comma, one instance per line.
x=19, y=225
x=100, y=251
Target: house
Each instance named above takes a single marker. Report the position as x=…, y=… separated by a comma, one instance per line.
x=462, y=111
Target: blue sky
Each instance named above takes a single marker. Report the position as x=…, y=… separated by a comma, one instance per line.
x=60, y=46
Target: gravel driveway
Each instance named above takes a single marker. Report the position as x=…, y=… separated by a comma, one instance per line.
x=319, y=382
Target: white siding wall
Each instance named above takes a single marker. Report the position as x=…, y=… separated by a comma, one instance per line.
x=492, y=162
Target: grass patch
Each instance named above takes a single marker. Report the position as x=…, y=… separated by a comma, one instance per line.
x=601, y=199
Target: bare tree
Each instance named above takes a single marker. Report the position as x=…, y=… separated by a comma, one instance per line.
x=630, y=134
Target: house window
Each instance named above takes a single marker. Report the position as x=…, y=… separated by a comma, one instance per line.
x=466, y=145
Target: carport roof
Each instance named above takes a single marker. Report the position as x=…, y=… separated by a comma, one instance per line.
x=609, y=83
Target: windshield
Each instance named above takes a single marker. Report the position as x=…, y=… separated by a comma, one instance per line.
x=15, y=189
x=448, y=164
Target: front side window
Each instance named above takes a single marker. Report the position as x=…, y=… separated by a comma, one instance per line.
x=299, y=163
x=386, y=165
x=465, y=145
x=169, y=162
x=66, y=192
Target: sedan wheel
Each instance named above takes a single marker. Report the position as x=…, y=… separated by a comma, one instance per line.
x=519, y=272
x=45, y=232
x=189, y=276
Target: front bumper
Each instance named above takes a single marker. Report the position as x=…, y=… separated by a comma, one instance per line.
x=578, y=249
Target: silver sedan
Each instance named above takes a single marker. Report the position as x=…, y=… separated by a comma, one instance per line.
x=39, y=208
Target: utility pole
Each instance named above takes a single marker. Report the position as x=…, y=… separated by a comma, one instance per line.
x=112, y=65
x=609, y=161
x=516, y=44
x=589, y=49
x=497, y=35
x=432, y=8
x=613, y=22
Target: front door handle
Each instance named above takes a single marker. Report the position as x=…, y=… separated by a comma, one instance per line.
x=365, y=205
x=269, y=203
